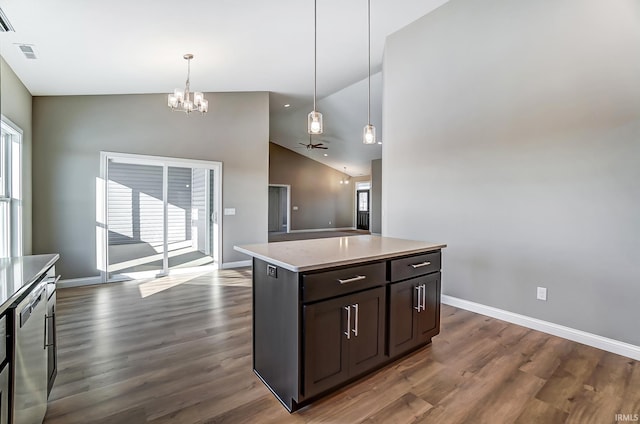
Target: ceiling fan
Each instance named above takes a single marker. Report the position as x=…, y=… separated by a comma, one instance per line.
x=311, y=146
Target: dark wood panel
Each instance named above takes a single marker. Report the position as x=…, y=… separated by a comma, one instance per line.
x=336, y=282
x=429, y=318
x=325, y=346
x=403, y=323
x=276, y=342
x=414, y=266
x=366, y=350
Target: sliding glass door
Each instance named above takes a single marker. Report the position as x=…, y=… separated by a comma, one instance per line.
x=161, y=215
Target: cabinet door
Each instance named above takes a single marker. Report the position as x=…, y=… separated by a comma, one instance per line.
x=403, y=322
x=366, y=346
x=325, y=345
x=429, y=319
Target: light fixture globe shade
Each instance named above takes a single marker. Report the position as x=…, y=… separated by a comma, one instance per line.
x=172, y=101
x=204, y=106
x=198, y=97
x=314, y=124
x=369, y=134
x=178, y=94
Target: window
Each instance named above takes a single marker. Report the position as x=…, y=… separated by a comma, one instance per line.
x=10, y=190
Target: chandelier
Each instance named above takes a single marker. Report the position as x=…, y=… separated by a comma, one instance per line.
x=181, y=99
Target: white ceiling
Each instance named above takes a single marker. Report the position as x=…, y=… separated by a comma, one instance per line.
x=126, y=46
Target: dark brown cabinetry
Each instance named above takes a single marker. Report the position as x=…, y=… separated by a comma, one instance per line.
x=414, y=312
x=343, y=337
x=316, y=330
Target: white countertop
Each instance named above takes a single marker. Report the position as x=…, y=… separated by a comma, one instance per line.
x=18, y=273
x=307, y=255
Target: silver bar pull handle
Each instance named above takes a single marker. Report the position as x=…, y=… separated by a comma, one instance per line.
x=46, y=333
x=355, y=330
x=420, y=265
x=348, y=332
x=424, y=297
x=351, y=280
x=417, y=308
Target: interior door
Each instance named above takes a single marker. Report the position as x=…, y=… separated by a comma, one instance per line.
x=277, y=209
x=362, y=218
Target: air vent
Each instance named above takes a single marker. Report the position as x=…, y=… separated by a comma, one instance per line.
x=27, y=50
x=5, y=25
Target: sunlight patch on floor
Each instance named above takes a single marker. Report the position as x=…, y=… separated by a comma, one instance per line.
x=158, y=285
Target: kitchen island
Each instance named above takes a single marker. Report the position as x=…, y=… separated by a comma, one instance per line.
x=329, y=311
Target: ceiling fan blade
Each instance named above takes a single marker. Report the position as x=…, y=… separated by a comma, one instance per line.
x=320, y=147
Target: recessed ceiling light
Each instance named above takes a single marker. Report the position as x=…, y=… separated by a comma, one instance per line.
x=287, y=105
x=326, y=154
x=379, y=142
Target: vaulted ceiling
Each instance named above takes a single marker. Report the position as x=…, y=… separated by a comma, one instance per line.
x=124, y=46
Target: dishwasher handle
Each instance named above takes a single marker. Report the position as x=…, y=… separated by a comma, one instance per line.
x=25, y=314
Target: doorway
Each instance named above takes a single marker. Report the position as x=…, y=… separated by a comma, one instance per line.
x=161, y=215
x=279, y=201
x=363, y=204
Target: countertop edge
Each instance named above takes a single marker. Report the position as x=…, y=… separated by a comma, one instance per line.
x=349, y=261
x=28, y=286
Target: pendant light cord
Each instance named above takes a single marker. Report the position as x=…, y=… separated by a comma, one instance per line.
x=369, y=48
x=315, y=51
x=188, y=75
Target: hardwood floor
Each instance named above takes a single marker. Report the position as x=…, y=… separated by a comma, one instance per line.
x=178, y=350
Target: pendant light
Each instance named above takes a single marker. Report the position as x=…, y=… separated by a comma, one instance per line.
x=369, y=131
x=314, y=120
x=346, y=177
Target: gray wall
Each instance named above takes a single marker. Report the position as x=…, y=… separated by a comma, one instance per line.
x=512, y=133
x=376, y=196
x=315, y=190
x=69, y=133
x=16, y=105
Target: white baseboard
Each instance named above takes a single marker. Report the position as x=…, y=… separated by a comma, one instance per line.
x=323, y=229
x=610, y=345
x=76, y=282
x=238, y=264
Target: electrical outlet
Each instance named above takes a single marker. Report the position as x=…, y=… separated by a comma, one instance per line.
x=542, y=293
x=272, y=271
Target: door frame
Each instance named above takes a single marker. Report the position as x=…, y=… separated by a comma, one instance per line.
x=102, y=230
x=357, y=186
x=288, y=211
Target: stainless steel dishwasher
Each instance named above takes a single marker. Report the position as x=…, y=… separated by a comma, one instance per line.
x=30, y=378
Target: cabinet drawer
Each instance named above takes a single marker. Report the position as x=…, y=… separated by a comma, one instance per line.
x=413, y=266
x=342, y=281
